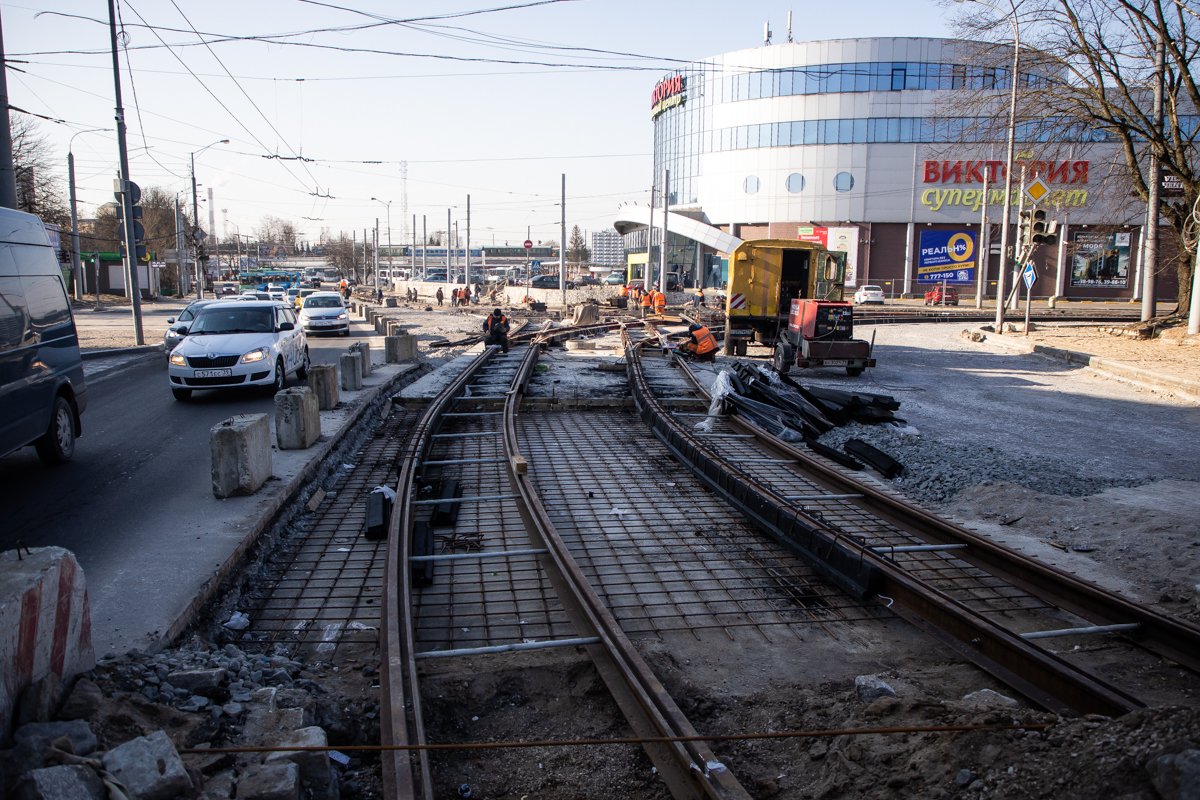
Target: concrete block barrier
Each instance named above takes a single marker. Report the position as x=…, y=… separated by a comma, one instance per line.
x=45, y=623
x=381, y=325
x=297, y=418
x=323, y=380
x=363, y=349
x=241, y=455
x=395, y=328
x=400, y=348
x=389, y=302
x=351, y=367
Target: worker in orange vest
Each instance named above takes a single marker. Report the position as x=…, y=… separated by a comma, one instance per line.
x=647, y=302
x=660, y=301
x=701, y=345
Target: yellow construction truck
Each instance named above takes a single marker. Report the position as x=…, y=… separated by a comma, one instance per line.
x=789, y=294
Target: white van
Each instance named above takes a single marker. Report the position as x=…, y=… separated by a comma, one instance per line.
x=42, y=393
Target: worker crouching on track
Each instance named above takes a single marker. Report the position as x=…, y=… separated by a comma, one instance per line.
x=496, y=328
x=701, y=345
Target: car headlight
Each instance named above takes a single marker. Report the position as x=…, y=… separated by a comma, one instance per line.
x=342, y=315
x=256, y=355
x=178, y=360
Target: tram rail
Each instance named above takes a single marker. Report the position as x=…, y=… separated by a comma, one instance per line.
x=854, y=554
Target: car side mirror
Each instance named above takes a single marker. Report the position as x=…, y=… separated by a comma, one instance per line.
x=286, y=326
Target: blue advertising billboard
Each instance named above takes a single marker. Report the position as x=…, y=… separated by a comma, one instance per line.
x=946, y=256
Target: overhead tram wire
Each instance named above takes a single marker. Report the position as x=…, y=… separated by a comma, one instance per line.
x=236, y=118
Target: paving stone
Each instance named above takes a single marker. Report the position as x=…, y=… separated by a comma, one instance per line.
x=276, y=781
x=199, y=681
x=316, y=772
x=66, y=782
x=149, y=767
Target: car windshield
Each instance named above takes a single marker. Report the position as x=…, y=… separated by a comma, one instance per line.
x=322, y=302
x=872, y=289
x=234, y=320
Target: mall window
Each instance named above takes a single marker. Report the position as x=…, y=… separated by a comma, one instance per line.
x=795, y=183
x=898, y=74
x=843, y=182
x=750, y=185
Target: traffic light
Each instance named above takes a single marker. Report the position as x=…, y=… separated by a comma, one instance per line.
x=139, y=230
x=1042, y=230
x=1025, y=228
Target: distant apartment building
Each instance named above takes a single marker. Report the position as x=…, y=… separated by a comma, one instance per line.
x=607, y=248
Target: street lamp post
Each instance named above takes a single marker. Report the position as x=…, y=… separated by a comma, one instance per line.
x=196, y=217
x=1008, y=159
x=387, y=204
x=76, y=267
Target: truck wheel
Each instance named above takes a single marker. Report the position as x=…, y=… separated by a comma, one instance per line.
x=785, y=356
x=854, y=372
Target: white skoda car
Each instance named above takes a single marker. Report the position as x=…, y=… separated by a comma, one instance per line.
x=239, y=343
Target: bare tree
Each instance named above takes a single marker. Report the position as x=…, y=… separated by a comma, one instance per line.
x=1104, y=53
x=39, y=191
x=273, y=230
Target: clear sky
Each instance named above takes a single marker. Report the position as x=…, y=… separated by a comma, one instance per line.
x=357, y=102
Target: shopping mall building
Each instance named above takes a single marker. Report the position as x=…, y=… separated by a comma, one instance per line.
x=891, y=149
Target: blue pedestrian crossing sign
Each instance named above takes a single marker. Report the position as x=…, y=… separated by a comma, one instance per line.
x=1030, y=275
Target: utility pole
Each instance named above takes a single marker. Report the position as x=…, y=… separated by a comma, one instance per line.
x=8, y=173
x=649, y=244
x=662, y=248
x=467, y=274
x=377, y=252
x=1150, y=262
x=76, y=269
x=131, y=275
x=412, y=257
x=449, y=277
x=424, y=246
x=562, y=244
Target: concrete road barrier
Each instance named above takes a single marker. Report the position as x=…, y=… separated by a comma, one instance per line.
x=399, y=348
x=351, y=368
x=323, y=380
x=45, y=623
x=241, y=455
x=297, y=418
x=363, y=349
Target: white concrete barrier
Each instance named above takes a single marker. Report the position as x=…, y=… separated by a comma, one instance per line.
x=45, y=623
x=402, y=347
x=363, y=349
x=323, y=380
x=241, y=455
x=297, y=418
x=351, y=367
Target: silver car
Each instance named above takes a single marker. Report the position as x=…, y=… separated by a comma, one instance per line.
x=177, y=329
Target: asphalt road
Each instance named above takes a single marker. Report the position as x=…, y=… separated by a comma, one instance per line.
x=141, y=464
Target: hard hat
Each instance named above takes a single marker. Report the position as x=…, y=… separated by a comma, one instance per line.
x=695, y=326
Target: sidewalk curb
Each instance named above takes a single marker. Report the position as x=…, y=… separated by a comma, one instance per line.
x=269, y=510
x=92, y=355
x=1186, y=389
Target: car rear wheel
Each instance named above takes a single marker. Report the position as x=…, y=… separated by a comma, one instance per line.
x=57, y=444
x=302, y=370
x=182, y=395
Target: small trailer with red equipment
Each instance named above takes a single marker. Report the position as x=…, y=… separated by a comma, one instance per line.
x=820, y=333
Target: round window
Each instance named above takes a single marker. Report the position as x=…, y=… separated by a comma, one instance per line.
x=750, y=185
x=843, y=182
x=795, y=182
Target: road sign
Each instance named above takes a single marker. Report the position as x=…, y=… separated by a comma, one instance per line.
x=1030, y=275
x=198, y=235
x=536, y=264
x=528, y=245
x=1036, y=190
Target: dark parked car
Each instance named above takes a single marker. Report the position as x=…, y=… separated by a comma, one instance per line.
x=42, y=393
x=544, y=282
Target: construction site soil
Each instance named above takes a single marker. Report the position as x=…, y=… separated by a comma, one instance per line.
x=1135, y=533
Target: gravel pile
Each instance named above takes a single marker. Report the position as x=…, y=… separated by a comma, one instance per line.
x=936, y=470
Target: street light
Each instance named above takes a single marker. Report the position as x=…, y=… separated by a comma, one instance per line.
x=76, y=268
x=1008, y=159
x=196, y=216
x=387, y=204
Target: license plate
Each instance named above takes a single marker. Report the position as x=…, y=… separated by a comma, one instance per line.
x=834, y=362
x=213, y=373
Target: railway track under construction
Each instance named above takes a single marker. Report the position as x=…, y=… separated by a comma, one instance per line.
x=528, y=526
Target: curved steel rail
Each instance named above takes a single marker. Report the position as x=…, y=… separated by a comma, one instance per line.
x=689, y=769
x=1166, y=636
x=851, y=563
